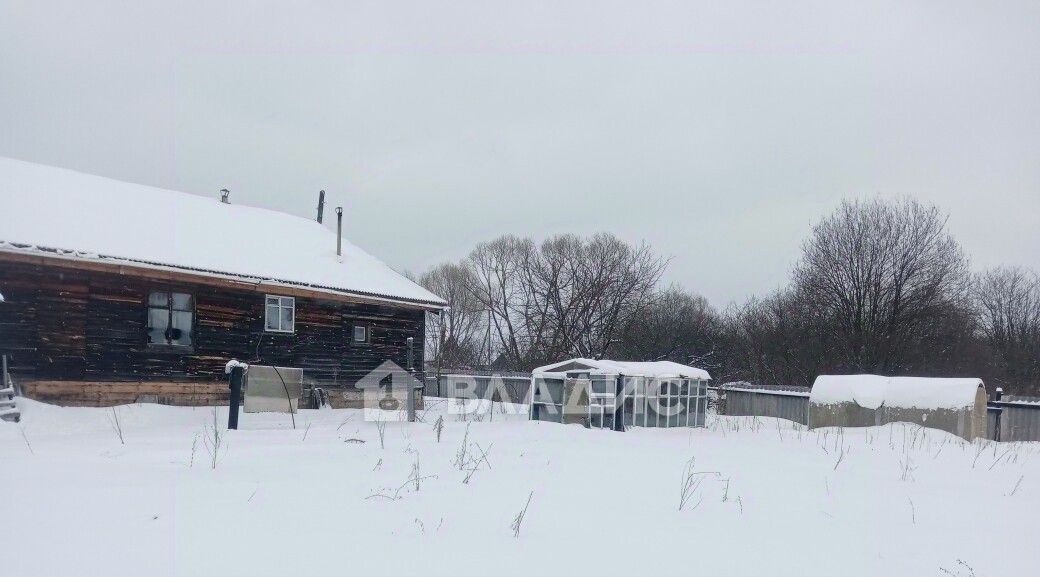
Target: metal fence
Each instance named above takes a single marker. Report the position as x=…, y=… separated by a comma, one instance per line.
x=1018, y=418
x=505, y=387
x=791, y=403
x=1011, y=419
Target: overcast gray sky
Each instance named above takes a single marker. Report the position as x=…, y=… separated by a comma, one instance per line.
x=718, y=132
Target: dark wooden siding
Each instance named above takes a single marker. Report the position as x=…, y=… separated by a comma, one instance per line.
x=67, y=324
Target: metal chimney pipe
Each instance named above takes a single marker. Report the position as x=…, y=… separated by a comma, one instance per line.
x=339, y=231
x=321, y=205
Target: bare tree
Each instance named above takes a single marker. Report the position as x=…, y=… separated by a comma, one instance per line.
x=502, y=268
x=566, y=297
x=885, y=273
x=454, y=337
x=881, y=287
x=674, y=325
x=590, y=288
x=782, y=339
x=1007, y=306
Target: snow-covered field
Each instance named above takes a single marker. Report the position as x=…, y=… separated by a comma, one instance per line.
x=768, y=498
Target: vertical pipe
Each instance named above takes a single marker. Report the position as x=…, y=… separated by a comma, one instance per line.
x=236, y=395
x=619, y=403
x=321, y=205
x=411, y=383
x=440, y=348
x=339, y=231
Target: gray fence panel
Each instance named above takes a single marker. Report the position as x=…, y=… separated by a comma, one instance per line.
x=1020, y=421
x=512, y=388
x=992, y=414
x=757, y=403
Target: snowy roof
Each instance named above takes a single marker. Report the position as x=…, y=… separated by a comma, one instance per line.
x=872, y=391
x=782, y=390
x=58, y=212
x=655, y=369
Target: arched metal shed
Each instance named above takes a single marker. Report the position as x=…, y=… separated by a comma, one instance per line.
x=954, y=405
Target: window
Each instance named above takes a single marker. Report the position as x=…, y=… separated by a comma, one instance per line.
x=170, y=318
x=360, y=334
x=281, y=314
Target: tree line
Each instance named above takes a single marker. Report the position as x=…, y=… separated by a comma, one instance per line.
x=881, y=287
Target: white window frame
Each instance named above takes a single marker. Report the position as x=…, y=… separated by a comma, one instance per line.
x=353, y=336
x=601, y=402
x=282, y=300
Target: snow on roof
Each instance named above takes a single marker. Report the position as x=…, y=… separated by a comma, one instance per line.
x=872, y=391
x=51, y=210
x=782, y=390
x=656, y=369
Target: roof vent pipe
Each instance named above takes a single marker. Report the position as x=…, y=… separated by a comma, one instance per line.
x=339, y=231
x=321, y=205
x=224, y=193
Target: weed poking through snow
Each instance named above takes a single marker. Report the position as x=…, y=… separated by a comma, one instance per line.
x=477, y=462
x=964, y=570
x=117, y=425
x=415, y=479
x=26, y=439
x=519, y=519
x=381, y=428
x=461, y=456
x=194, y=446
x=213, y=439
x=438, y=427
x=1017, y=485
x=691, y=483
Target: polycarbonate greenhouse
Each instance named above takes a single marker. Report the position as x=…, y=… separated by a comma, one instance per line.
x=616, y=395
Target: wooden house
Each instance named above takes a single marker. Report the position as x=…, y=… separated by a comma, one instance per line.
x=117, y=292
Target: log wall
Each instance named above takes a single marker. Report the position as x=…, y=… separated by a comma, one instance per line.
x=64, y=325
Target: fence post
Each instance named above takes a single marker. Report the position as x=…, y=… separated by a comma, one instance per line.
x=619, y=403
x=411, y=383
x=236, y=395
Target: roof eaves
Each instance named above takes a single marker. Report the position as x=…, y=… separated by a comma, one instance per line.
x=15, y=247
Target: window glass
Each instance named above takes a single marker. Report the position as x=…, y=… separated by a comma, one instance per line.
x=181, y=333
x=158, y=299
x=272, y=317
x=181, y=302
x=157, y=323
x=170, y=317
x=280, y=314
x=360, y=334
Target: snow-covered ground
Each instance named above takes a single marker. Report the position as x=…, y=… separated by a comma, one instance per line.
x=768, y=498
